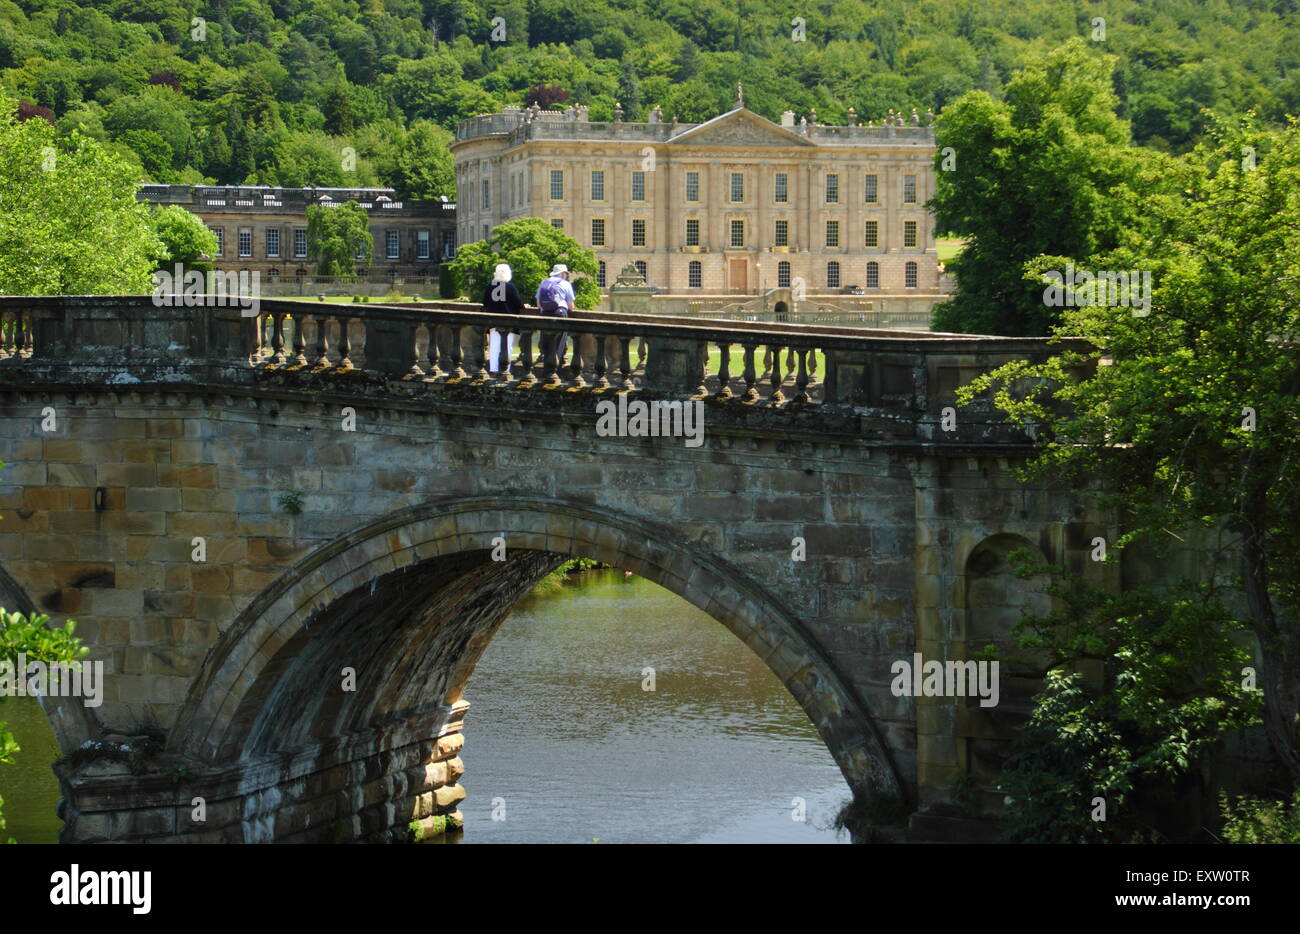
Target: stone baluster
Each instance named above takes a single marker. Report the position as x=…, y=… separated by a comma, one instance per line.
x=776, y=398
x=322, y=341
x=413, y=330
x=789, y=360
x=432, y=352
x=299, y=342
x=625, y=362
x=24, y=334
x=550, y=358
x=457, y=356
x=478, y=354
x=345, y=342
x=724, y=371
x=277, y=339
x=601, y=348
x=6, y=335
x=529, y=378
x=802, y=379
x=750, y=375
x=577, y=364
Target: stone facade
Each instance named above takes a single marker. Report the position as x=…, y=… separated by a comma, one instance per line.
x=188, y=426
x=265, y=229
x=734, y=205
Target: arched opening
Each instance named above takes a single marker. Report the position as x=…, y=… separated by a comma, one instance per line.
x=409, y=603
x=30, y=792
x=782, y=311
x=995, y=601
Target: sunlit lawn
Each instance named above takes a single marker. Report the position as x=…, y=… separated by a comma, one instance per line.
x=948, y=247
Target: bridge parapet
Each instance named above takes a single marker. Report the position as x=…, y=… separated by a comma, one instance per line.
x=876, y=384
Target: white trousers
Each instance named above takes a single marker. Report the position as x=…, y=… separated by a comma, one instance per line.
x=494, y=348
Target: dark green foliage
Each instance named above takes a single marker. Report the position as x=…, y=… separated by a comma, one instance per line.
x=292, y=66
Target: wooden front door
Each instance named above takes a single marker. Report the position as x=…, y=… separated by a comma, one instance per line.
x=739, y=280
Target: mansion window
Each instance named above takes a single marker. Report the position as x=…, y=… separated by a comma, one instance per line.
x=781, y=236
x=600, y=274
x=598, y=231
x=422, y=244
x=449, y=244
x=557, y=223
x=392, y=244
x=832, y=233
x=737, y=233
x=871, y=190
x=909, y=275
x=220, y=233
x=245, y=241
x=300, y=243
x=272, y=241
x=694, y=275
x=557, y=184
x=781, y=195
x=692, y=186
x=873, y=275
x=737, y=187
x=872, y=234
x=487, y=194
x=638, y=186
x=909, y=189
x=909, y=233
x=692, y=231
x=641, y=269
x=832, y=275
x=597, y=185
x=638, y=232
x=832, y=189
x=783, y=275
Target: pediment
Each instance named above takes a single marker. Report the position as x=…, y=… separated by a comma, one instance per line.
x=740, y=127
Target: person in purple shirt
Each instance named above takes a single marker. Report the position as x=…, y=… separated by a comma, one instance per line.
x=555, y=298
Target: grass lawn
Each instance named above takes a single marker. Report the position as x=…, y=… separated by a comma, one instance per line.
x=947, y=248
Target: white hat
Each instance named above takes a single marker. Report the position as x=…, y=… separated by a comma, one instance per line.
x=559, y=268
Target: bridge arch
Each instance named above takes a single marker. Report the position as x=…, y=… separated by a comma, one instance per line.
x=261, y=694
x=68, y=717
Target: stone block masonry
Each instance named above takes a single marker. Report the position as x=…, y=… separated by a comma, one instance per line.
x=297, y=606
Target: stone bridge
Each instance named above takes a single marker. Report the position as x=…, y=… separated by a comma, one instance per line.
x=290, y=536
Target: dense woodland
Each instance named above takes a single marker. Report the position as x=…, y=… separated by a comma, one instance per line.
x=278, y=92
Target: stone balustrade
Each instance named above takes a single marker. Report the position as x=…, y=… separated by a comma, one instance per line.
x=891, y=381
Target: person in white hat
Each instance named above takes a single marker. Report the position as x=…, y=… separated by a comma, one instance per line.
x=555, y=298
x=502, y=298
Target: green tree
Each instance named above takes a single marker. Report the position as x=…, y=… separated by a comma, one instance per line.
x=1189, y=416
x=531, y=246
x=69, y=220
x=335, y=235
x=1047, y=171
x=184, y=238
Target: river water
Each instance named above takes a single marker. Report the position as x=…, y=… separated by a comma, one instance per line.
x=563, y=744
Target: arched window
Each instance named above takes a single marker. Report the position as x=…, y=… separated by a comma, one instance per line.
x=695, y=275
x=909, y=275
x=873, y=275
x=832, y=275
x=783, y=275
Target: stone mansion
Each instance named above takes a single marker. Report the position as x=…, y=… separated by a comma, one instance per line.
x=734, y=205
